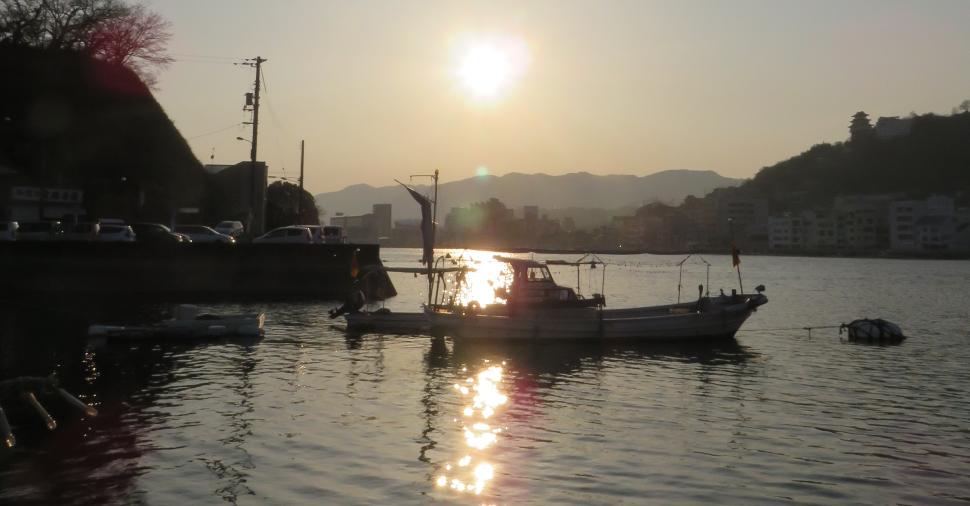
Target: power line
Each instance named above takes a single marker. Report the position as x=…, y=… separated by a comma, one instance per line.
x=213, y=132
x=206, y=57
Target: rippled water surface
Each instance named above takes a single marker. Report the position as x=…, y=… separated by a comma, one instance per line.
x=311, y=415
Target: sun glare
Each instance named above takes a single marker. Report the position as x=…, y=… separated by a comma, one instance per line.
x=487, y=68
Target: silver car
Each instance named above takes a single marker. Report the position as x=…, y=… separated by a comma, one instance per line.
x=115, y=233
x=40, y=231
x=293, y=234
x=202, y=233
x=82, y=232
x=230, y=228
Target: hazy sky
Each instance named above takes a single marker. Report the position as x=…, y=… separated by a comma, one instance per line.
x=383, y=89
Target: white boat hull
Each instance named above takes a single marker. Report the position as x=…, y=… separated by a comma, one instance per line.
x=388, y=322
x=711, y=319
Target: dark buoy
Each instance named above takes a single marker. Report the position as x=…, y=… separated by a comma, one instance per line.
x=877, y=330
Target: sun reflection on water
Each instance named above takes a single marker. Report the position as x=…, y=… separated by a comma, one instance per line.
x=481, y=283
x=484, y=397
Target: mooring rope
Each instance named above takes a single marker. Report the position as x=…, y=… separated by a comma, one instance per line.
x=804, y=327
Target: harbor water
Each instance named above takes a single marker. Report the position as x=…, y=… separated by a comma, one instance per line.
x=312, y=415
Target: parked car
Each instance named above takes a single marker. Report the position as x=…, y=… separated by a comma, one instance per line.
x=116, y=233
x=326, y=234
x=334, y=235
x=294, y=234
x=8, y=230
x=155, y=233
x=82, y=232
x=40, y=231
x=202, y=233
x=316, y=232
x=230, y=228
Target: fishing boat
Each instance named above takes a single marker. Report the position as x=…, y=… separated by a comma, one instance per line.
x=532, y=306
x=188, y=324
x=535, y=307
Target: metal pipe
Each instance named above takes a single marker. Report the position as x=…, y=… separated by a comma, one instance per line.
x=77, y=403
x=32, y=400
x=5, y=431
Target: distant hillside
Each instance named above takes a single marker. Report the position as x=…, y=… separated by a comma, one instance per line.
x=575, y=190
x=934, y=157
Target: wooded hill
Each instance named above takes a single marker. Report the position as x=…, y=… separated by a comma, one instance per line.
x=934, y=157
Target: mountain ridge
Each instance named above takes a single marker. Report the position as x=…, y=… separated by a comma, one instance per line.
x=578, y=189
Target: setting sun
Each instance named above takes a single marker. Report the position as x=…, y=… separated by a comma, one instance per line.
x=487, y=68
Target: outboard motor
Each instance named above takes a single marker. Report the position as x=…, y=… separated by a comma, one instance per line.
x=354, y=302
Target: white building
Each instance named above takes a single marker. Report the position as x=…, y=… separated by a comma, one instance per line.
x=807, y=231
x=931, y=225
x=903, y=215
x=786, y=232
x=862, y=221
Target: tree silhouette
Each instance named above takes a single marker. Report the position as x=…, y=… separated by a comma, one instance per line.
x=137, y=40
x=282, y=200
x=110, y=30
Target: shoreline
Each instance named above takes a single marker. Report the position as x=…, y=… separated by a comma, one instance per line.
x=623, y=251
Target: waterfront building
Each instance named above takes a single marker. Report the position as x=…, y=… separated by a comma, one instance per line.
x=372, y=226
x=935, y=233
x=238, y=192
x=22, y=201
x=786, y=232
x=822, y=235
x=746, y=219
x=903, y=215
x=802, y=231
x=927, y=226
x=862, y=222
x=382, y=220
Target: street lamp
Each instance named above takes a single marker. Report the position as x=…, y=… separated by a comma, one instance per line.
x=244, y=139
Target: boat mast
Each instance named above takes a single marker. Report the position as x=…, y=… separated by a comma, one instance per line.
x=434, y=227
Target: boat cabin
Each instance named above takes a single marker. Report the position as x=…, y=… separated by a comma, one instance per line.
x=533, y=285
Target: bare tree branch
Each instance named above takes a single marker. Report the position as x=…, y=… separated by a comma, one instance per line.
x=110, y=30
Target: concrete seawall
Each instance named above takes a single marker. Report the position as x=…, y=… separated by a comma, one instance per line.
x=183, y=271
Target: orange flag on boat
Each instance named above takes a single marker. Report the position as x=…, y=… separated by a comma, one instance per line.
x=735, y=256
x=354, y=265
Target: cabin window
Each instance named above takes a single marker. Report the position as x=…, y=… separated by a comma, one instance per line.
x=539, y=274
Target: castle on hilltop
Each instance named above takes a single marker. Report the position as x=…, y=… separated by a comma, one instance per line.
x=887, y=127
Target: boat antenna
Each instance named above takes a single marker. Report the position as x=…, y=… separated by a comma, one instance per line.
x=680, y=275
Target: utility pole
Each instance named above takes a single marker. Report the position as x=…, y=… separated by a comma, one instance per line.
x=259, y=208
x=299, y=198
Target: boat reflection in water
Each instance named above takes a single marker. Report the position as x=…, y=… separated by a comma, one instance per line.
x=483, y=398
